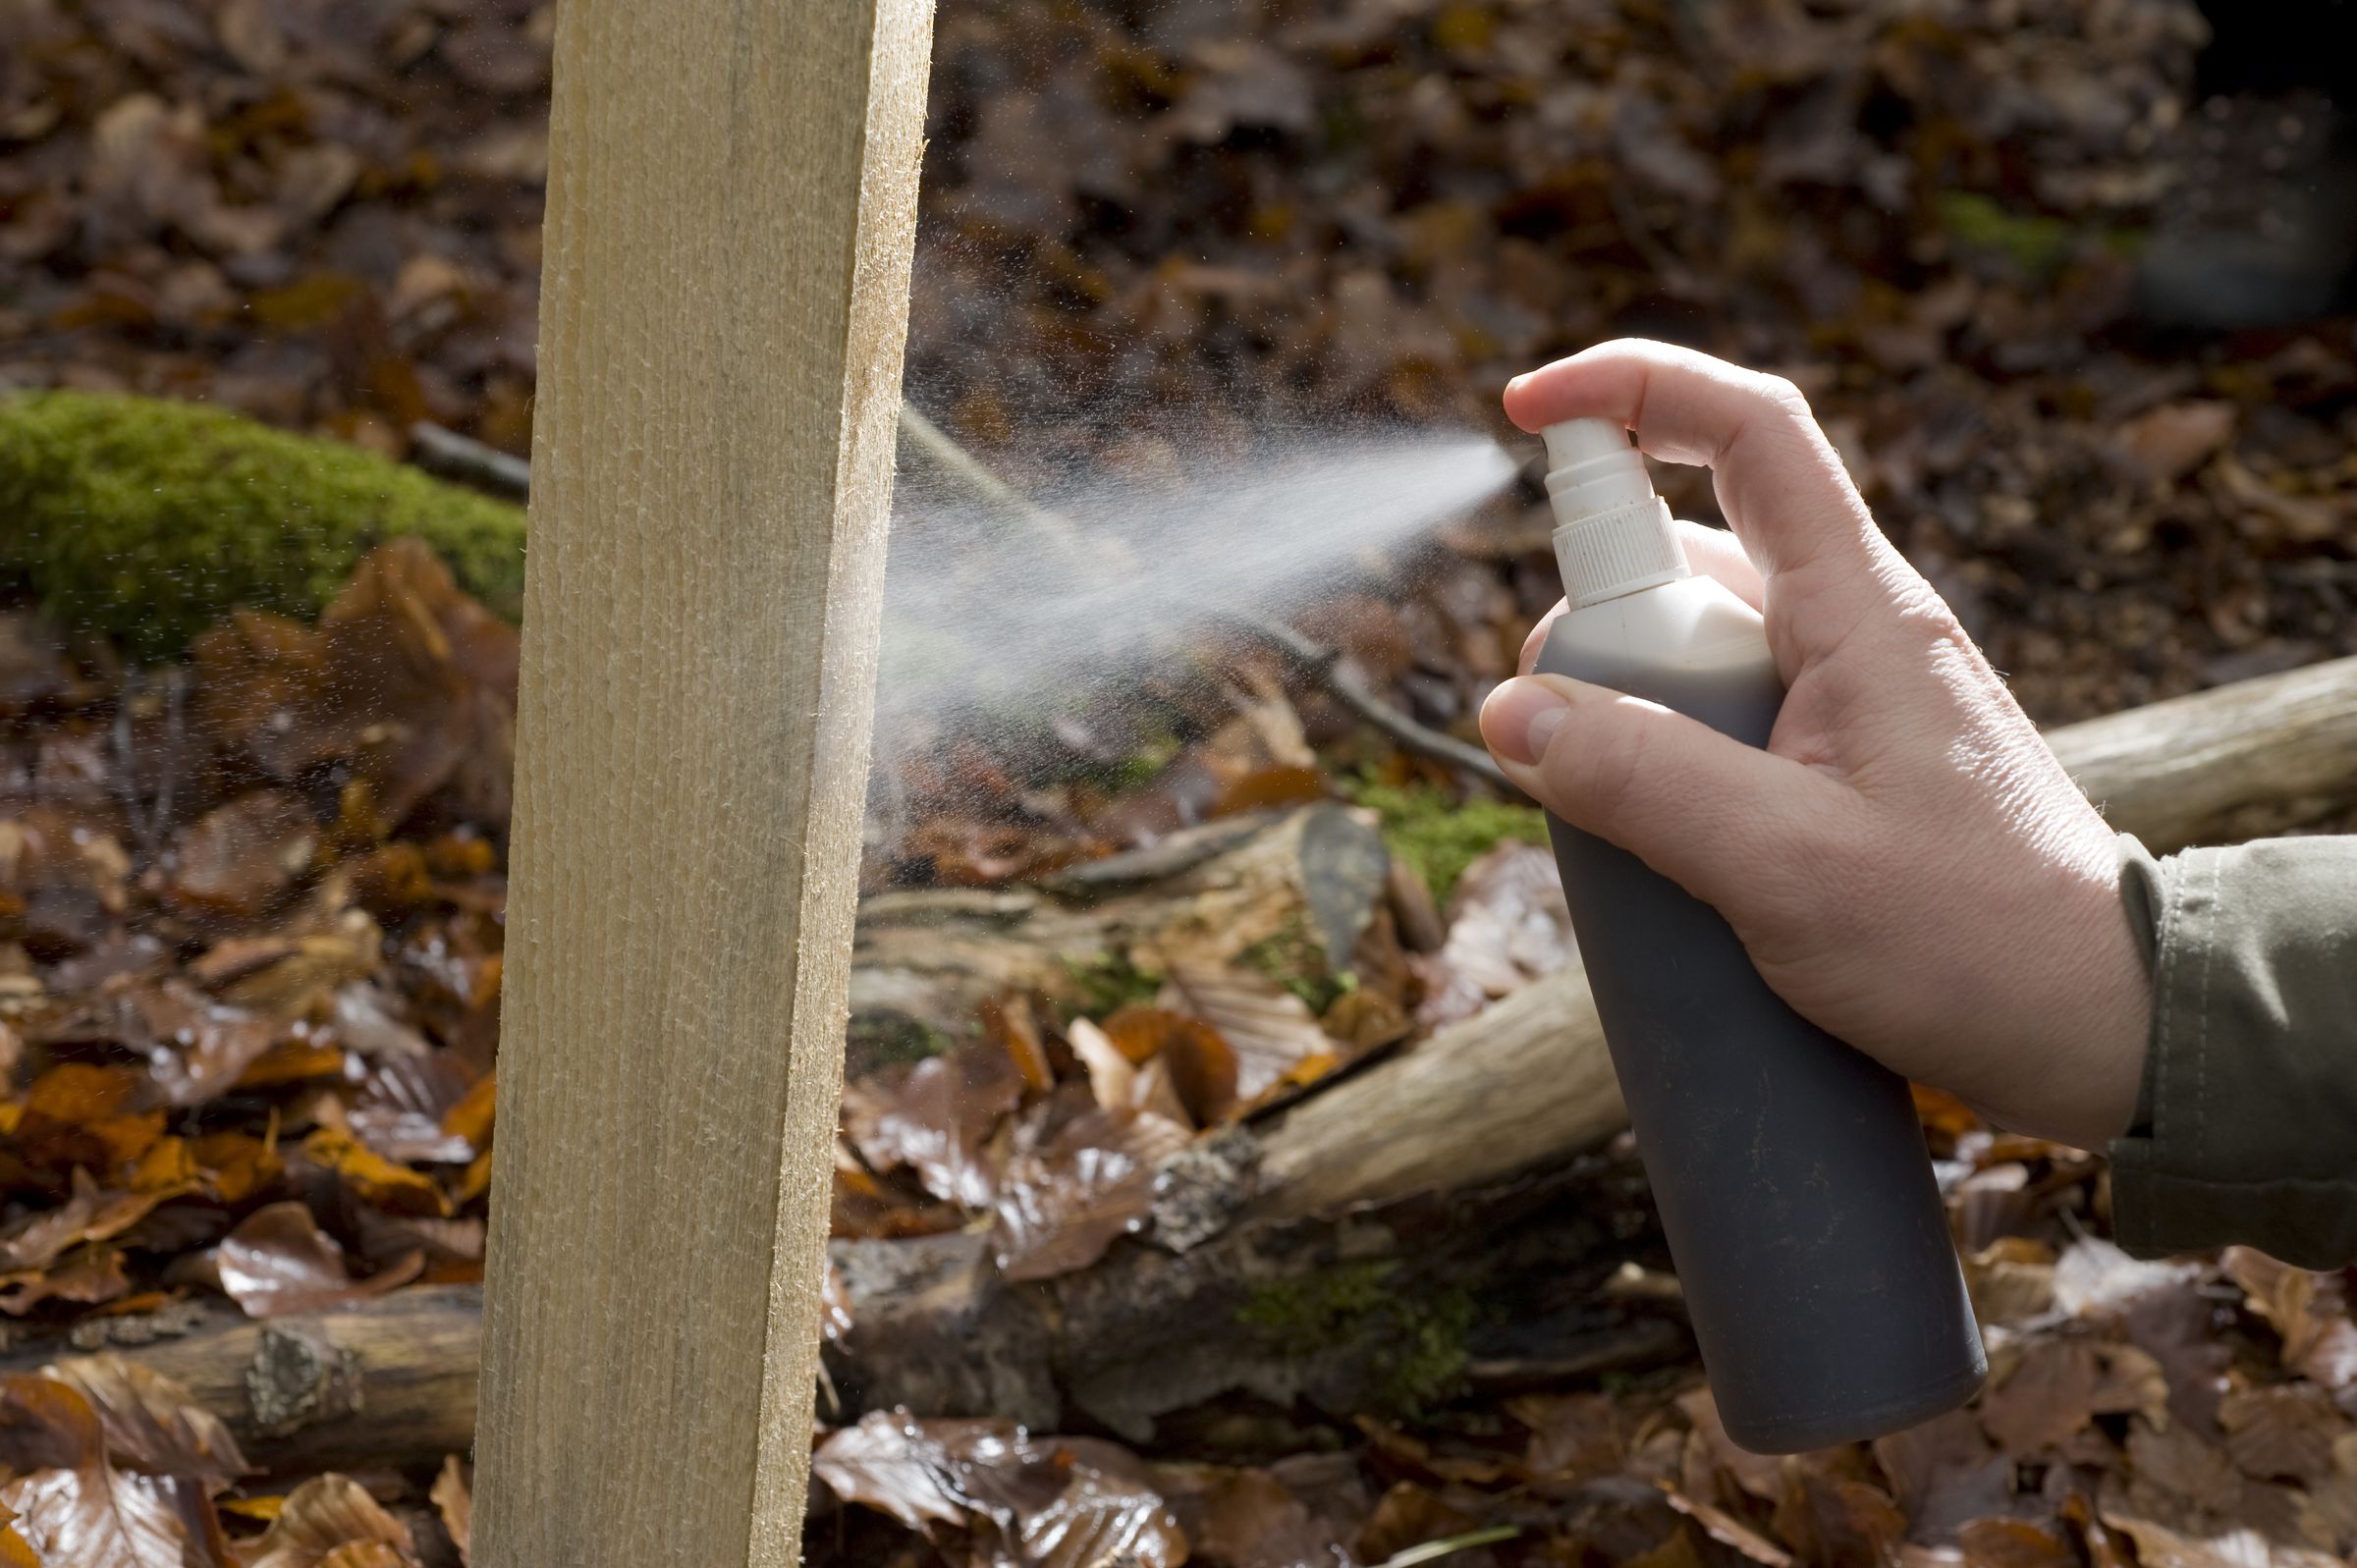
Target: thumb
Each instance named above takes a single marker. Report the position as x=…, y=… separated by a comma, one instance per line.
x=1703, y=810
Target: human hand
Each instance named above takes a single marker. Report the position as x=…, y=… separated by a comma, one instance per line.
x=1906, y=863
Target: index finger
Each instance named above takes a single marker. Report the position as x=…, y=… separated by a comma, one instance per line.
x=1780, y=482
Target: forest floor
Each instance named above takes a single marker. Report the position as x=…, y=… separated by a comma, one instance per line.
x=251, y=899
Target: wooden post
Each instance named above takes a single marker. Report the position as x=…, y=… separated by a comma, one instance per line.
x=731, y=206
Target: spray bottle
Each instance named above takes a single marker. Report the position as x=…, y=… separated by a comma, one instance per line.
x=1790, y=1169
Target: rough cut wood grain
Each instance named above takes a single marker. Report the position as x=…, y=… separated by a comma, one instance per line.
x=1529, y=1078
x=731, y=208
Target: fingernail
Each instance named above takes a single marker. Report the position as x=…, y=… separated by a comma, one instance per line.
x=1521, y=718
x=1518, y=381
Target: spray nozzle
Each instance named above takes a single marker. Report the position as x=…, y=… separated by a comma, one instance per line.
x=1614, y=536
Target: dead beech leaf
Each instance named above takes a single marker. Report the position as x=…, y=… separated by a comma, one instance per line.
x=89, y=1274
x=1508, y=925
x=936, y=1117
x=1274, y=1035
x=470, y=1119
x=2177, y=437
x=454, y=1499
x=2308, y=1310
x=240, y=859
x=2283, y=1431
x=1047, y=1502
x=2011, y=1280
x=374, y=1179
x=196, y=1048
x=2157, y=1546
x=74, y=1507
x=1728, y=1531
x=278, y=1261
x=1836, y=1520
x=331, y=1522
x=2047, y=1396
x=1201, y=1066
x=1061, y=1205
x=2014, y=1544
x=88, y=1215
x=2093, y=1276
x=150, y=1424
x=1573, y=1437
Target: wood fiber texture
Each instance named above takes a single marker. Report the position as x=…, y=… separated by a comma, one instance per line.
x=731, y=211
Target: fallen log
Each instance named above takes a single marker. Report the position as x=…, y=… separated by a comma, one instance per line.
x=387, y=1381
x=1528, y=1079
x=1306, y=886
x=1425, y=1225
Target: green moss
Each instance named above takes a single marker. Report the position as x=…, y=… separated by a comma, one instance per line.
x=1413, y=1344
x=1296, y=960
x=148, y=519
x=1439, y=838
x=2035, y=244
x=1110, y=982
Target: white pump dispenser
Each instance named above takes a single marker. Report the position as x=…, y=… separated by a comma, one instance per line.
x=1613, y=533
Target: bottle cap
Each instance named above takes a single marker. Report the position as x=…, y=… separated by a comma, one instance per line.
x=1614, y=536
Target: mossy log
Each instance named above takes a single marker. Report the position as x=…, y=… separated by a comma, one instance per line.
x=148, y=519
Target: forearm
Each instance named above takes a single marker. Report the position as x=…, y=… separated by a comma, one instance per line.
x=2247, y=1128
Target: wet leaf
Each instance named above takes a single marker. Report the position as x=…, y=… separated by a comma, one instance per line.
x=1061, y=1205
x=72, y=1506
x=277, y=1260
x=152, y=1425
x=240, y=859
x=936, y=1117
x=1046, y=1502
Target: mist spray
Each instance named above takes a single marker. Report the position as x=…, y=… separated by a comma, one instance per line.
x=1790, y=1170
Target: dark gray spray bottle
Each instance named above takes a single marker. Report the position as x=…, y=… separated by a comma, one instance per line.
x=1791, y=1171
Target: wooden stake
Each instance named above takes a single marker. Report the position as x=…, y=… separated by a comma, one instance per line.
x=731, y=204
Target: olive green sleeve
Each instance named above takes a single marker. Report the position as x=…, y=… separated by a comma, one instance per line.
x=2247, y=1129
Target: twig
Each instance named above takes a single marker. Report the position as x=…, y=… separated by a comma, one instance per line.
x=926, y=444
x=1434, y=1550
x=463, y=458
x=1328, y=666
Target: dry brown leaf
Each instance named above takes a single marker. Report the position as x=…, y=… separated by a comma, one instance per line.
x=1202, y=1069
x=2308, y=1310
x=278, y=1262
x=2044, y=1398
x=2177, y=437
x=1508, y=925
x=470, y=1119
x=331, y=1522
x=2014, y=1544
x=1275, y=1038
x=454, y=1499
x=374, y=1179
x=88, y=1215
x=1573, y=1437
x=152, y=1425
x=2284, y=1432
x=1728, y=1531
